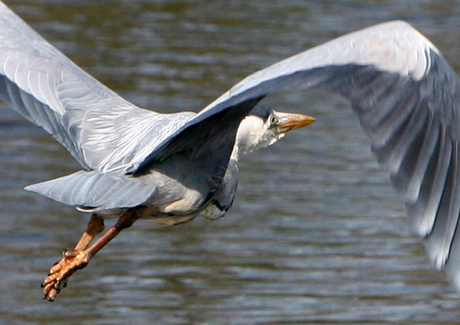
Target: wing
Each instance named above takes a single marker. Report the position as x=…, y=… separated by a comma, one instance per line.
x=393, y=47
x=222, y=200
x=406, y=97
x=104, y=132
x=82, y=114
x=403, y=91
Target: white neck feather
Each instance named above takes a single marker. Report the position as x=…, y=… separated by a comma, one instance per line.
x=252, y=135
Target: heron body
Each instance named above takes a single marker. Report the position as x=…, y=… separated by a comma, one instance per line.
x=138, y=163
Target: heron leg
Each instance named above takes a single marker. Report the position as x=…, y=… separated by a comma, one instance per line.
x=95, y=227
x=79, y=257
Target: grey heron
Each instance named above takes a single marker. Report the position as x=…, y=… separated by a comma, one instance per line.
x=140, y=164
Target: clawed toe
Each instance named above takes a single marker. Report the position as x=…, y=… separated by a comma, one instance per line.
x=79, y=257
x=60, y=272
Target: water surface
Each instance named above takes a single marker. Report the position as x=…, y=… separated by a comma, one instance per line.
x=316, y=234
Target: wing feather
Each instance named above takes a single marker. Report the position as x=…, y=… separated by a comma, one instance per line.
x=406, y=97
x=402, y=90
x=51, y=91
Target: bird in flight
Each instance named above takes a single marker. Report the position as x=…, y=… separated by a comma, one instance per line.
x=140, y=164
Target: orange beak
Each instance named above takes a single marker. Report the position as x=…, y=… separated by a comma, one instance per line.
x=291, y=121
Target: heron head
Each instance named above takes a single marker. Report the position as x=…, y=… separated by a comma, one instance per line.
x=264, y=126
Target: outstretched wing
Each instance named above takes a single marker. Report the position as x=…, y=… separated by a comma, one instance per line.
x=86, y=117
x=406, y=97
x=393, y=47
x=403, y=91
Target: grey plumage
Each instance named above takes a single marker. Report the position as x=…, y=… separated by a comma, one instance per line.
x=401, y=88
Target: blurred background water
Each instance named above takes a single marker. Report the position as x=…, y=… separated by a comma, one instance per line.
x=316, y=234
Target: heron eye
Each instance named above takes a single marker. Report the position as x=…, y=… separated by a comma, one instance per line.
x=273, y=120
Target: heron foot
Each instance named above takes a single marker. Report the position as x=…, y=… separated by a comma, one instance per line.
x=59, y=273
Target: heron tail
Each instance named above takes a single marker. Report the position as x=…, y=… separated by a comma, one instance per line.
x=96, y=190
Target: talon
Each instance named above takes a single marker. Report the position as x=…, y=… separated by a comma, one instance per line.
x=56, y=280
x=78, y=258
x=50, y=299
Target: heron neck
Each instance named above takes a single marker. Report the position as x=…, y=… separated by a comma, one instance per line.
x=236, y=152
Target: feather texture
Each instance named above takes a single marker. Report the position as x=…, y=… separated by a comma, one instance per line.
x=401, y=88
